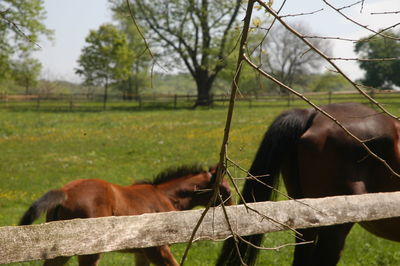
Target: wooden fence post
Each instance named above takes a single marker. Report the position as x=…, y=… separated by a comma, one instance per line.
x=38, y=102
x=70, y=103
x=372, y=95
x=6, y=99
x=175, y=101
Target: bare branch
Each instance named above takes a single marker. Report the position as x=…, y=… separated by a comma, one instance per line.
x=359, y=24
x=16, y=27
x=138, y=29
x=383, y=30
x=234, y=235
x=272, y=12
x=351, y=5
x=274, y=248
x=386, y=13
x=362, y=143
x=365, y=59
x=302, y=14
x=330, y=38
x=221, y=163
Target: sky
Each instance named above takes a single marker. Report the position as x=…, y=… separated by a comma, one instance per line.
x=72, y=20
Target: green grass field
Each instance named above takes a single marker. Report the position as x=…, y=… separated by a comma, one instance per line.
x=44, y=150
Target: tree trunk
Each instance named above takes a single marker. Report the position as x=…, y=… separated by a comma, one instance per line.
x=204, y=84
x=27, y=86
x=105, y=95
x=136, y=87
x=129, y=90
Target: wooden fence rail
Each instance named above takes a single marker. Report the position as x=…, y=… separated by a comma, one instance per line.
x=88, y=236
x=95, y=101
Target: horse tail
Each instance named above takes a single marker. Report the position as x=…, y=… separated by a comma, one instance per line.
x=279, y=141
x=48, y=201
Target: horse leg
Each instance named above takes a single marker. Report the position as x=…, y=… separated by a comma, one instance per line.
x=59, y=261
x=141, y=259
x=89, y=260
x=303, y=252
x=161, y=256
x=330, y=244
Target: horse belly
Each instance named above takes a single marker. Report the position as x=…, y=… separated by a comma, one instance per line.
x=321, y=168
x=385, y=228
x=332, y=165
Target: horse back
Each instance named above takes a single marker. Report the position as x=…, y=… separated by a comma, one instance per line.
x=90, y=198
x=86, y=198
x=333, y=163
x=140, y=198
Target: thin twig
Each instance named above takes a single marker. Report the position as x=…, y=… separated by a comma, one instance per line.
x=263, y=216
x=145, y=43
x=329, y=38
x=274, y=248
x=348, y=6
x=359, y=24
x=302, y=14
x=256, y=178
x=138, y=29
x=383, y=30
x=386, y=13
x=16, y=27
x=234, y=235
x=365, y=59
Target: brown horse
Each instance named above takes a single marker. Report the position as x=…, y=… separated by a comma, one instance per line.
x=176, y=189
x=317, y=159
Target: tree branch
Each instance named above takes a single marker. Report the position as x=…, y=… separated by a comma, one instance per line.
x=318, y=51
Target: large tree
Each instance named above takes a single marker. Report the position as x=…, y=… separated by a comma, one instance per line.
x=106, y=59
x=21, y=25
x=385, y=73
x=195, y=32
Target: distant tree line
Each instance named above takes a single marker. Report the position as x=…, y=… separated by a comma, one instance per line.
x=196, y=41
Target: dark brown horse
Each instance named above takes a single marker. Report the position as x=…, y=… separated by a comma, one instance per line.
x=317, y=159
x=173, y=190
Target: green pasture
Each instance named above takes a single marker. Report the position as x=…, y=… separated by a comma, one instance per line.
x=44, y=150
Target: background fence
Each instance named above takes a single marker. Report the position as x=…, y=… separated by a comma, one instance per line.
x=95, y=102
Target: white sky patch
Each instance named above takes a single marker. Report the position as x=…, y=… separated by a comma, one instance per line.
x=329, y=23
x=375, y=22
x=71, y=21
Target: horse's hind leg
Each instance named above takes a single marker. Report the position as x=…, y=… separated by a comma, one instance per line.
x=303, y=252
x=161, y=256
x=89, y=260
x=141, y=259
x=330, y=244
x=59, y=261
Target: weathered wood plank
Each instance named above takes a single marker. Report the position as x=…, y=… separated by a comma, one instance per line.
x=88, y=236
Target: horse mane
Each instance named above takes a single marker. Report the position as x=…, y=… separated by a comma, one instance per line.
x=174, y=172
